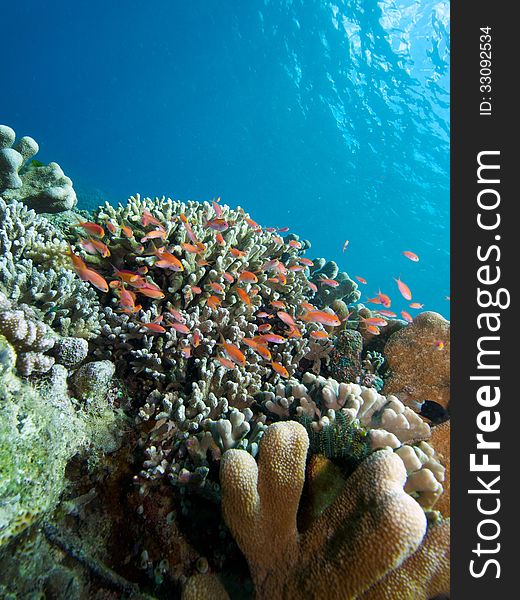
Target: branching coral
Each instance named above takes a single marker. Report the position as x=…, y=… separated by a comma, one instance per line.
x=335, y=557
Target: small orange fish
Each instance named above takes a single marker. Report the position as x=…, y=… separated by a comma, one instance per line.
x=439, y=344
x=373, y=329
x=277, y=240
x=202, y=262
x=217, y=208
x=91, y=228
x=218, y=224
x=153, y=235
x=191, y=248
x=295, y=244
x=128, y=276
x=286, y=318
x=312, y=286
x=283, y=229
x=411, y=255
x=294, y=332
x=386, y=313
x=228, y=277
x=265, y=326
x=177, y=315
x=257, y=347
x=374, y=300
x=94, y=278
x=87, y=245
x=384, y=299
x=151, y=291
x=180, y=327
x=252, y=224
x=328, y=281
x=323, y=317
x=77, y=262
x=148, y=219
x=345, y=245
x=126, y=298
x=196, y=289
x=225, y=362
x=142, y=270
x=307, y=306
x=263, y=315
x=248, y=276
x=243, y=296
x=189, y=230
x=234, y=353
x=306, y=261
x=127, y=231
x=217, y=287
x=237, y=253
x=213, y=302
x=404, y=289
x=186, y=351
x=280, y=369
x=319, y=335
x=100, y=247
x=416, y=305
x=361, y=280
x=168, y=261
x=296, y=268
x=277, y=304
x=375, y=321
x=406, y=316
x=154, y=327
x=219, y=238
x=273, y=338
x=196, y=340
x=111, y=227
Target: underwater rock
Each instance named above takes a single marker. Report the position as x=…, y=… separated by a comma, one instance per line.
x=44, y=188
x=345, y=359
x=419, y=369
x=70, y=351
x=92, y=380
x=260, y=502
x=204, y=587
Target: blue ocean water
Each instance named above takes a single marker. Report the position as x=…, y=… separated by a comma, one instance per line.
x=331, y=118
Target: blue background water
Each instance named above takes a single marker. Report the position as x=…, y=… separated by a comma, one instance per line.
x=330, y=118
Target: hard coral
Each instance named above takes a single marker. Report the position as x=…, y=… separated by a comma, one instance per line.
x=419, y=361
x=335, y=557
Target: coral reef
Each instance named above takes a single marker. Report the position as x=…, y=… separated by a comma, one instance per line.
x=44, y=188
x=260, y=502
x=41, y=279
x=332, y=285
x=419, y=366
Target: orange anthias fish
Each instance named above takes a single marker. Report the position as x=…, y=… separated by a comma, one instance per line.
x=374, y=300
x=189, y=230
x=243, y=296
x=328, y=281
x=384, y=299
x=219, y=238
x=306, y=261
x=127, y=231
x=411, y=255
x=154, y=327
x=319, y=335
x=87, y=245
x=177, y=315
x=252, y=224
x=191, y=248
x=228, y=277
x=265, y=326
x=111, y=227
x=277, y=304
x=128, y=276
x=375, y=321
x=94, y=278
x=234, y=353
x=295, y=244
x=286, y=318
x=180, y=327
x=257, y=347
x=373, y=329
x=297, y=268
x=100, y=247
x=416, y=305
x=217, y=208
x=217, y=287
x=225, y=362
x=361, y=280
x=406, y=316
x=248, y=276
x=148, y=219
x=126, y=298
x=168, y=261
x=312, y=286
x=218, y=224
x=280, y=369
x=150, y=290
x=153, y=235
x=387, y=313
x=273, y=338
x=237, y=253
x=404, y=289
x=91, y=228
x=323, y=317
x=213, y=302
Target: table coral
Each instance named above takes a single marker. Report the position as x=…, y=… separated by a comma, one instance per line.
x=335, y=557
x=419, y=368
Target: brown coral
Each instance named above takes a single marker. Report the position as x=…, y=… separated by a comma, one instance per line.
x=419, y=367
x=372, y=531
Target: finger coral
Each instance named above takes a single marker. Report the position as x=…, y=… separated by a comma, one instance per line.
x=335, y=557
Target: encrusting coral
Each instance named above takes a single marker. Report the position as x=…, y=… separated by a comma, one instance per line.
x=44, y=188
x=334, y=558
x=419, y=361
